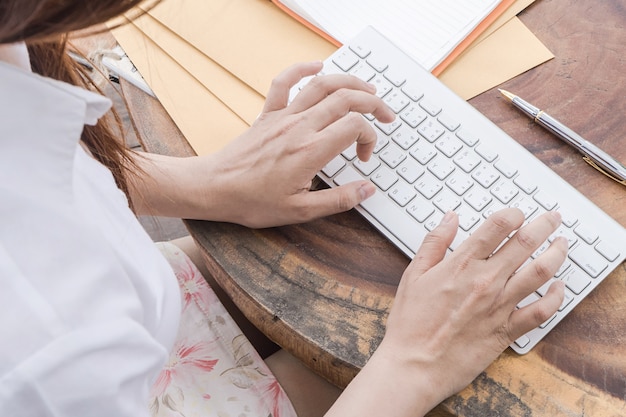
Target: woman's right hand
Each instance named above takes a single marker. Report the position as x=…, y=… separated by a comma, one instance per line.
x=452, y=317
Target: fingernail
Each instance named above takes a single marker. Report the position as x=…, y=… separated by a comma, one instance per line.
x=366, y=190
x=371, y=87
x=556, y=215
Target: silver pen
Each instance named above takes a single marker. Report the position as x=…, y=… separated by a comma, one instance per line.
x=593, y=155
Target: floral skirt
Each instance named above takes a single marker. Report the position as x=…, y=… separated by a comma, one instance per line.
x=213, y=370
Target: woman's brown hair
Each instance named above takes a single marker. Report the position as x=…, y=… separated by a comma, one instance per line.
x=45, y=25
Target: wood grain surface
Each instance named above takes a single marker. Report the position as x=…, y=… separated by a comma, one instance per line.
x=323, y=289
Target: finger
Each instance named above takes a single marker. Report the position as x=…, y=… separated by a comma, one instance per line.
x=320, y=87
x=537, y=272
x=316, y=204
x=485, y=240
x=278, y=94
x=435, y=244
x=343, y=133
x=343, y=101
x=525, y=241
x=529, y=317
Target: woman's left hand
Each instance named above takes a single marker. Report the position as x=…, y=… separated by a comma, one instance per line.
x=263, y=177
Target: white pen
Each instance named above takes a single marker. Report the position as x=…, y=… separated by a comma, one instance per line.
x=593, y=155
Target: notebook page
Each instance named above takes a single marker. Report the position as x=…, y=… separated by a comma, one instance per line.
x=427, y=30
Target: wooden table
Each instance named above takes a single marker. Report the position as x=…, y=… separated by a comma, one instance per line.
x=322, y=290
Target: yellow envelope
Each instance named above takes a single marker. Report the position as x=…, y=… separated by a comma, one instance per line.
x=202, y=118
x=215, y=82
x=253, y=39
x=230, y=90
x=509, y=51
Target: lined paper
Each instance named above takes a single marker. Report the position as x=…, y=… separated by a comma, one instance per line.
x=427, y=30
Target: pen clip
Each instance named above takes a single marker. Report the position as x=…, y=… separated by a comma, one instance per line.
x=597, y=167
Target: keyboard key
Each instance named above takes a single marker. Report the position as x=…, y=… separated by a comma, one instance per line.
x=395, y=77
x=382, y=85
x=588, y=259
x=431, y=107
x=402, y=193
x=527, y=205
x=410, y=170
x=576, y=280
x=485, y=175
x=412, y=90
x=467, y=160
x=423, y=152
x=384, y=178
x=363, y=71
x=387, y=213
x=350, y=152
x=441, y=167
x=566, y=233
x=525, y=184
x=382, y=141
x=459, y=183
x=392, y=155
x=362, y=50
x=431, y=129
x=428, y=186
x=467, y=137
x=347, y=175
x=586, y=234
x=345, y=60
x=433, y=221
x=446, y=201
x=468, y=218
x=548, y=202
x=420, y=209
x=567, y=299
x=367, y=167
x=413, y=115
x=530, y=298
x=450, y=123
x=607, y=250
x=487, y=153
x=522, y=341
x=568, y=218
x=505, y=169
x=334, y=166
x=377, y=62
x=449, y=145
x=405, y=137
x=545, y=323
x=478, y=199
x=504, y=191
x=389, y=128
x=396, y=100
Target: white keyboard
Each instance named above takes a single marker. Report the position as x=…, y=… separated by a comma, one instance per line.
x=441, y=154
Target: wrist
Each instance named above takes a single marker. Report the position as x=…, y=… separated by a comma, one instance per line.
x=390, y=384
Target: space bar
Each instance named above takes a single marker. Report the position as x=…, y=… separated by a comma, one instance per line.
x=386, y=212
x=394, y=220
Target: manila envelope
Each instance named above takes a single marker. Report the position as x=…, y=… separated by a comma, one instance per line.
x=202, y=118
x=188, y=66
x=230, y=90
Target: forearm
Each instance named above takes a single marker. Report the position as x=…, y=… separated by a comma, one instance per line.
x=170, y=187
x=385, y=387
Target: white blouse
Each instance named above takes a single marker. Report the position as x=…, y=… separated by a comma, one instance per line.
x=89, y=307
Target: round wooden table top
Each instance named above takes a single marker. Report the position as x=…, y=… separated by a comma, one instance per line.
x=322, y=290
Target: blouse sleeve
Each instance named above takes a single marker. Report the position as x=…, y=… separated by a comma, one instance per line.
x=51, y=365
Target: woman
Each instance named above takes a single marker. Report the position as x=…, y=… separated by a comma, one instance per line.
x=92, y=309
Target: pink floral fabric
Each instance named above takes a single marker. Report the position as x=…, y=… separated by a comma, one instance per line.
x=213, y=370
